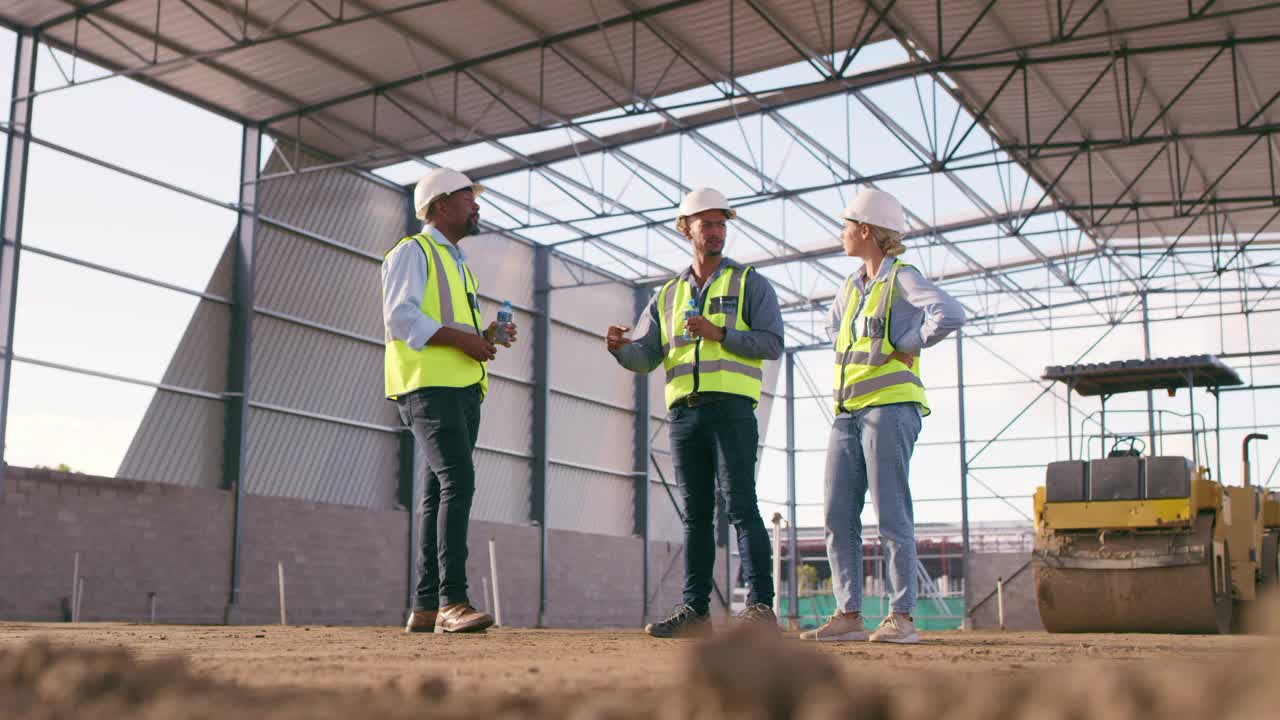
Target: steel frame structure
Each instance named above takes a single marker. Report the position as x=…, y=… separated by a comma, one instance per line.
x=1115, y=257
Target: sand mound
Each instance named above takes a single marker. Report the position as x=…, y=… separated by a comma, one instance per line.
x=743, y=674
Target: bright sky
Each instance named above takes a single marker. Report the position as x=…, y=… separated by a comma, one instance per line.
x=78, y=316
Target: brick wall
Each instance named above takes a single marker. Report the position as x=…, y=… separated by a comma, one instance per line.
x=343, y=565
x=133, y=538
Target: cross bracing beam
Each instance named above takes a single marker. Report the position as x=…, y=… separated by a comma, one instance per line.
x=959, y=97
x=923, y=66
x=1057, y=50
x=270, y=34
x=821, y=217
x=900, y=133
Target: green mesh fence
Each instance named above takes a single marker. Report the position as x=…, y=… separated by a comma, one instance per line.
x=930, y=613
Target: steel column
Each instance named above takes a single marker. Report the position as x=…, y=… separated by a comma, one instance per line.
x=18, y=142
x=1103, y=454
x=407, y=481
x=541, y=413
x=640, y=498
x=407, y=495
x=964, y=470
x=793, y=553
x=964, y=448
x=1191, y=402
x=1070, y=438
x=1146, y=354
x=235, y=441
x=1217, y=432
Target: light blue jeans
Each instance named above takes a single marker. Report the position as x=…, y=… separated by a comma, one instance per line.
x=871, y=449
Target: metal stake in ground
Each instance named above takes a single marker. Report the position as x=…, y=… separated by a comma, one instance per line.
x=1000, y=601
x=493, y=573
x=75, y=588
x=280, y=574
x=777, y=564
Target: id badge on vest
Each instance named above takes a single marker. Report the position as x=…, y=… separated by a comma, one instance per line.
x=723, y=304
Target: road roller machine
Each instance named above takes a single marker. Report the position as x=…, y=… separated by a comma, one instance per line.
x=1137, y=541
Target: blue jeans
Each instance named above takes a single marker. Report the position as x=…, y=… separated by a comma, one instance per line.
x=713, y=447
x=871, y=449
x=445, y=422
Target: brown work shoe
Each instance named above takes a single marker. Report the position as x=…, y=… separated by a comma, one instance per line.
x=462, y=618
x=421, y=621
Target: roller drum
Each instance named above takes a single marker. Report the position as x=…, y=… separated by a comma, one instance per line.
x=1157, y=583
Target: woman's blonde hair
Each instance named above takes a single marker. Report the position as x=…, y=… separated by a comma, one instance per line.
x=889, y=242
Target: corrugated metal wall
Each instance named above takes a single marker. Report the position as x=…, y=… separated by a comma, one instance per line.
x=179, y=440
x=591, y=443
x=320, y=429
x=504, y=271
x=328, y=277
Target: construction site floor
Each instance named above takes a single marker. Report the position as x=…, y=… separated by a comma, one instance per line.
x=122, y=670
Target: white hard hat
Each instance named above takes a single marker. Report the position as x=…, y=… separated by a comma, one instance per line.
x=705, y=199
x=438, y=183
x=876, y=207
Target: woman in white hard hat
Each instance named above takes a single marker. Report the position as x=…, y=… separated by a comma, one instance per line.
x=883, y=316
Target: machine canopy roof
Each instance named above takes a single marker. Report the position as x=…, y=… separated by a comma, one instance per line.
x=1122, y=376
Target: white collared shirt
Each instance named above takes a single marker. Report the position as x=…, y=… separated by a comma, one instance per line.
x=404, y=281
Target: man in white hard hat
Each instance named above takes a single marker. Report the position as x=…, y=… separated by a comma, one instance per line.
x=435, y=372
x=886, y=313
x=711, y=327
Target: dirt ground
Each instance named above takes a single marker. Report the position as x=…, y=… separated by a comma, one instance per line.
x=157, y=671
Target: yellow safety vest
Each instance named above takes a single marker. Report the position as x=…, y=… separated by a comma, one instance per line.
x=865, y=373
x=700, y=365
x=449, y=299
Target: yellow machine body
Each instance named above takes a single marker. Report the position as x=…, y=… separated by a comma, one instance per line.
x=1131, y=514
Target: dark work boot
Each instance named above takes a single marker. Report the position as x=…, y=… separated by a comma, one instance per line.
x=682, y=622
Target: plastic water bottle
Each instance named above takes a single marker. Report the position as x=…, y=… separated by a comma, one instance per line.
x=504, y=319
x=690, y=312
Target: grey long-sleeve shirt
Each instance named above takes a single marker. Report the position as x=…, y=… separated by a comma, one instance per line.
x=764, y=341
x=921, y=315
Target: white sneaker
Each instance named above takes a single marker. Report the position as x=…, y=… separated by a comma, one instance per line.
x=896, y=629
x=840, y=627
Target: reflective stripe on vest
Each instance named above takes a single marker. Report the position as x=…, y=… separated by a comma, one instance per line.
x=453, y=305
x=699, y=365
x=444, y=293
x=865, y=372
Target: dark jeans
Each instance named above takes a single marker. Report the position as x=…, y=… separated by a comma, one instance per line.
x=714, y=448
x=445, y=422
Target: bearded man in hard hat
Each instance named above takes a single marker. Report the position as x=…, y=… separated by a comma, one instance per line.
x=435, y=372
x=883, y=316
x=713, y=361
